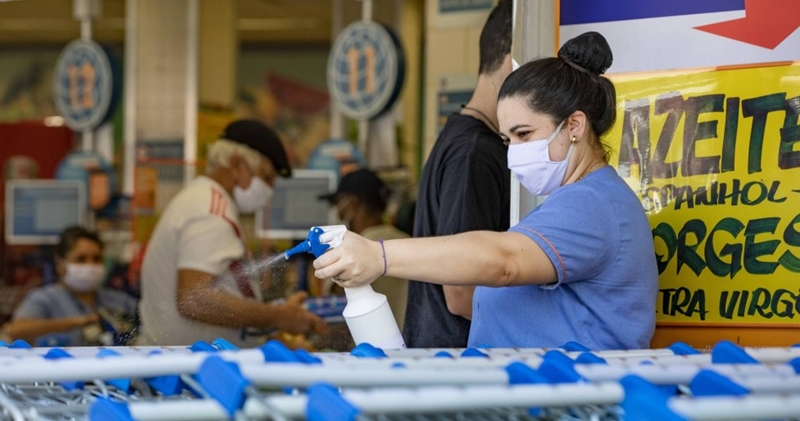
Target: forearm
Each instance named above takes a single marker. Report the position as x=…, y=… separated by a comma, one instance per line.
x=30, y=329
x=476, y=258
x=215, y=307
x=468, y=259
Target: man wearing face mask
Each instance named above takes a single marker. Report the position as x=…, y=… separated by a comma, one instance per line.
x=193, y=283
x=360, y=202
x=61, y=314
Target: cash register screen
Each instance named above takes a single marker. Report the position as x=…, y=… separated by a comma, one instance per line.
x=295, y=206
x=38, y=210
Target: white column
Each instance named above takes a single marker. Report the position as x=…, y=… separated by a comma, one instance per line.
x=534, y=36
x=364, y=126
x=131, y=71
x=192, y=63
x=165, y=72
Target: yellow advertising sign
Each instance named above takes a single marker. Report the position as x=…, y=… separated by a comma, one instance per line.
x=714, y=156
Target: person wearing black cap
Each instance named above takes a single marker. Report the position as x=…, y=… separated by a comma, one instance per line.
x=257, y=138
x=193, y=285
x=360, y=202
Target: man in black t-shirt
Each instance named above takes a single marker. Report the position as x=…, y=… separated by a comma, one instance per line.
x=465, y=186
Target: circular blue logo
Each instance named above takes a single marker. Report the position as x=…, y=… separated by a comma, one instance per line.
x=85, y=86
x=365, y=70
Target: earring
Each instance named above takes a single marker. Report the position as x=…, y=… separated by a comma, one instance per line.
x=574, y=139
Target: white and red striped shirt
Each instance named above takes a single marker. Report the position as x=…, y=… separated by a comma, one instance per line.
x=198, y=230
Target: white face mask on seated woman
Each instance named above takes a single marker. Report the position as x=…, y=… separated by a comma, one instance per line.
x=84, y=277
x=530, y=162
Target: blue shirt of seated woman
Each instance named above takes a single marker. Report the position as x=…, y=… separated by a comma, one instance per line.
x=64, y=313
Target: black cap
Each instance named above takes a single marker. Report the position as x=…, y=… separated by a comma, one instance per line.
x=262, y=139
x=364, y=184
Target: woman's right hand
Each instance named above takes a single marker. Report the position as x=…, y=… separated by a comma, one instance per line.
x=355, y=262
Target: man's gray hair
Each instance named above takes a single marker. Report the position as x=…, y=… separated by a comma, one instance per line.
x=220, y=153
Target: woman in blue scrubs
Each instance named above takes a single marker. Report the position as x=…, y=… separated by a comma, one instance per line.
x=580, y=267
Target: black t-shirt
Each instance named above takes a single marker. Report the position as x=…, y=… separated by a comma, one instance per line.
x=465, y=186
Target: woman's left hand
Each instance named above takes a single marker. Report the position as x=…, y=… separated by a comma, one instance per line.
x=356, y=262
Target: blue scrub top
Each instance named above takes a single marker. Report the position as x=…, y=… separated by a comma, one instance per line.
x=598, y=238
x=55, y=302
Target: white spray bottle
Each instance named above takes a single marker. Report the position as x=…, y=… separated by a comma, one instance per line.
x=367, y=313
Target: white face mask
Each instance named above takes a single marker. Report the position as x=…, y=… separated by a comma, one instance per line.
x=530, y=162
x=254, y=197
x=82, y=277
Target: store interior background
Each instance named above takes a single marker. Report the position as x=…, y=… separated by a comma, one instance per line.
x=255, y=58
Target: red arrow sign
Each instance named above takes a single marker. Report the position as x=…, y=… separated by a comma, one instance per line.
x=766, y=23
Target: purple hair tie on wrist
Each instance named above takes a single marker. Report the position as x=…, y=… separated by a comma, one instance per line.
x=380, y=240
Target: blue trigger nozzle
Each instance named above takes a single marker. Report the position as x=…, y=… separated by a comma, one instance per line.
x=311, y=244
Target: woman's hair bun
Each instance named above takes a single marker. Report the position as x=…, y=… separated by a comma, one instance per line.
x=589, y=51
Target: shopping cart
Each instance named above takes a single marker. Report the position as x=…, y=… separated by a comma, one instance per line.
x=217, y=381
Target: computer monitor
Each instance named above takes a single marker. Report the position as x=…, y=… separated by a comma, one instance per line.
x=38, y=210
x=295, y=206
